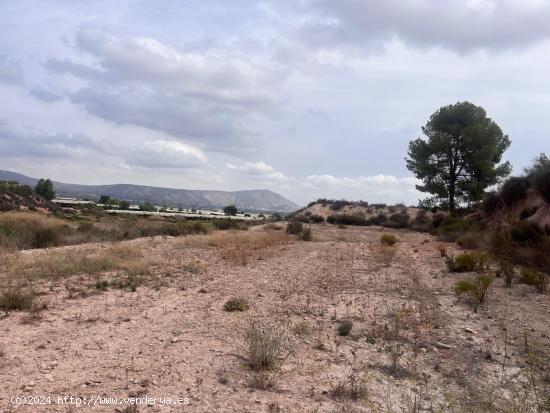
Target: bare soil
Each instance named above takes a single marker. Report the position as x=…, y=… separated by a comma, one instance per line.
x=413, y=345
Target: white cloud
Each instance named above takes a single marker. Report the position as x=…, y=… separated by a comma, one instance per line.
x=165, y=154
x=259, y=170
x=387, y=188
x=463, y=26
x=210, y=99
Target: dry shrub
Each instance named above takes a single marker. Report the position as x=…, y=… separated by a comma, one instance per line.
x=470, y=240
x=16, y=298
x=344, y=327
x=240, y=247
x=477, y=287
x=442, y=248
x=353, y=386
x=66, y=263
x=236, y=304
x=535, y=278
x=24, y=230
x=384, y=254
x=388, y=239
x=469, y=261
x=265, y=344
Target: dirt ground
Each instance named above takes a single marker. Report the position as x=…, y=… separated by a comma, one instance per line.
x=414, y=345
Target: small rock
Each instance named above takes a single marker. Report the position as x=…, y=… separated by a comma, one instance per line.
x=443, y=346
x=468, y=330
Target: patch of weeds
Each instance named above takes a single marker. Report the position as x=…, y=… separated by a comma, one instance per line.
x=101, y=284
x=306, y=234
x=344, y=327
x=301, y=328
x=223, y=375
x=264, y=344
x=34, y=314
x=294, y=228
x=353, y=386
x=388, y=239
x=16, y=298
x=535, y=278
x=129, y=283
x=505, y=269
x=477, y=287
x=192, y=268
x=442, y=248
x=395, y=351
x=385, y=254
x=236, y=304
x=469, y=261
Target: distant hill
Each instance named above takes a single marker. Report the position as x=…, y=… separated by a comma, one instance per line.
x=251, y=200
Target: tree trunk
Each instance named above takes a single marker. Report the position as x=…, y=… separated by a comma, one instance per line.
x=452, y=183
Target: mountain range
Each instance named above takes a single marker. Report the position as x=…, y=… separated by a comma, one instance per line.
x=250, y=200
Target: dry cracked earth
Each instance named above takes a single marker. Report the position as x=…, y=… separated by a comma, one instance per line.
x=414, y=345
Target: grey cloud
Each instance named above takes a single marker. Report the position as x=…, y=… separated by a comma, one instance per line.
x=463, y=26
x=26, y=142
x=10, y=72
x=45, y=95
x=192, y=96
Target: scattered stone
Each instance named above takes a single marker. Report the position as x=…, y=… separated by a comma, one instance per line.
x=442, y=346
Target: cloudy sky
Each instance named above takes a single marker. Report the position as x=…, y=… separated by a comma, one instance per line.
x=309, y=98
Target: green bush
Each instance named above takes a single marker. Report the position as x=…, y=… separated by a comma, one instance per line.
x=535, y=278
x=294, y=228
x=388, y=239
x=541, y=181
x=379, y=219
x=226, y=224
x=468, y=261
x=357, y=218
x=421, y=222
x=514, y=190
x=306, y=234
x=526, y=232
x=236, y=304
x=491, y=203
x=477, y=287
x=398, y=220
x=344, y=327
x=316, y=219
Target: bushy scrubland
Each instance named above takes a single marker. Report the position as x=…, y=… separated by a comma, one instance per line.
x=26, y=230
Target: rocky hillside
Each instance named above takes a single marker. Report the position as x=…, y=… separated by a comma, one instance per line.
x=16, y=197
x=361, y=213
x=251, y=200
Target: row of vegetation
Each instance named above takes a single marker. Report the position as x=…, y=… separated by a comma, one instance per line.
x=21, y=230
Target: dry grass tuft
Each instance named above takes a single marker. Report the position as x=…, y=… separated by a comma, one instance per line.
x=23, y=230
x=119, y=259
x=236, y=304
x=16, y=298
x=265, y=344
x=384, y=254
x=241, y=247
x=353, y=386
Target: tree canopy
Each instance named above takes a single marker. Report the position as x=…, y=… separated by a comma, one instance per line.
x=230, y=210
x=44, y=188
x=460, y=155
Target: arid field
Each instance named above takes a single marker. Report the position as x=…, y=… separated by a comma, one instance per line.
x=150, y=318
